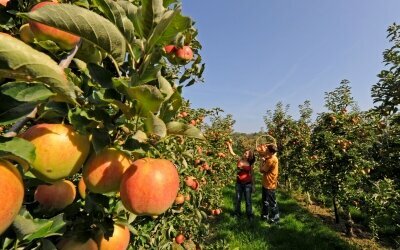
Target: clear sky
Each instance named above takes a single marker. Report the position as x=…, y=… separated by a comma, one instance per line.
x=259, y=52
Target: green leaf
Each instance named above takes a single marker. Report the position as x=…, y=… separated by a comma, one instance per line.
x=7, y=242
x=155, y=125
x=116, y=14
x=82, y=3
x=148, y=75
x=160, y=29
x=16, y=112
x=134, y=15
x=89, y=53
x=170, y=107
x=53, y=110
x=84, y=23
x=149, y=96
x=169, y=2
x=24, y=92
x=81, y=119
x=165, y=86
x=171, y=24
x=190, y=83
x=124, y=108
x=19, y=61
x=148, y=70
x=152, y=11
x=136, y=148
x=178, y=128
x=100, y=139
x=7, y=21
x=17, y=147
x=28, y=228
x=100, y=75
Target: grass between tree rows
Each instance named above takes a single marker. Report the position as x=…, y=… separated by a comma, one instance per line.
x=298, y=229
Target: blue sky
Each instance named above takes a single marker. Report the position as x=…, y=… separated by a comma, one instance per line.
x=260, y=52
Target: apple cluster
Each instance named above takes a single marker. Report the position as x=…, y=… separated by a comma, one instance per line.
x=146, y=186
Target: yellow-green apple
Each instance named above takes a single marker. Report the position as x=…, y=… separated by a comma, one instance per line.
x=26, y=34
x=60, y=150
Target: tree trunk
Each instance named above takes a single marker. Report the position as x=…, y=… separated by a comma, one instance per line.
x=349, y=223
x=288, y=178
x=337, y=220
x=308, y=199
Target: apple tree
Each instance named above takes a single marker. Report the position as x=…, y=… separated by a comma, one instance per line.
x=115, y=81
x=341, y=144
x=382, y=203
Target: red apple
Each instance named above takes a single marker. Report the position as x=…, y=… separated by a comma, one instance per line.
x=180, y=199
x=189, y=181
x=82, y=188
x=205, y=166
x=118, y=241
x=11, y=194
x=180, y=239
x=185, y=53
x=4, y=2
x=103, y=171
x=193, y=122
x=149, y=186
x=56, y=196
x=169, y=49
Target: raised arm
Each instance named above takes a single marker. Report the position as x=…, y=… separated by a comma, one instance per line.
x=229, y=144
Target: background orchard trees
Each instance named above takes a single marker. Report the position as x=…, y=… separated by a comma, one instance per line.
x=293, y=138
x=341, y=150
x=122, y=89
x=386, y=93
x=299, y=156
x=385, y=177
x=278, y=124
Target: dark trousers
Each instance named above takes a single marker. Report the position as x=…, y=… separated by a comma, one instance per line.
x=270, y=208
x=243, y=190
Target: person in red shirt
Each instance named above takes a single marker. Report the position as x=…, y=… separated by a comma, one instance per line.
x=244, y=181
x=269, y=167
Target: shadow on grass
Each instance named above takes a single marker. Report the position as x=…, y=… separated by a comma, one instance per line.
x=298, y=229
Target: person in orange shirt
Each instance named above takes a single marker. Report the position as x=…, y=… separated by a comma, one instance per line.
x=269, y=168
x=244, y=181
